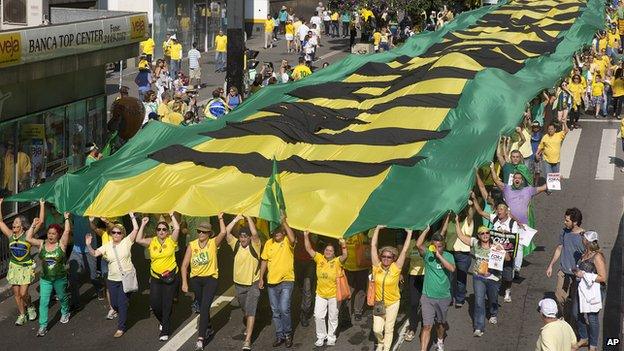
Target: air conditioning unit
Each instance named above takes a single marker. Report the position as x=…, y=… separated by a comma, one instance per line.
x=23, y=13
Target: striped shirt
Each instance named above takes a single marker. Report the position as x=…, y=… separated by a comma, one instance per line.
x=194, y=57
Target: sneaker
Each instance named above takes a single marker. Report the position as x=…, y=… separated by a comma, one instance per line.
x=319, y=342
x=247, y=346
x=278, y=342
x=459, y=304
x=160, y=327
x=112, y=314
x=440, y=345
x=493, y=320
x=409, y=335
x=101, y=295
x=32, y=313
x=199, y=345
x=288, y=341
x=163, y=337
x=331, y=342
x=65, y=318
x=118, y=334
x=477, y=333
x=507, y=295
x=21, y=320
x=42, y=331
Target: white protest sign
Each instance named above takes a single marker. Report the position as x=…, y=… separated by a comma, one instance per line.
x=496, y=259
x=553, y=181
x=526, y=235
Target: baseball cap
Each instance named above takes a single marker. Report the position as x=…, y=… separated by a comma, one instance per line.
x=483, y=229
x=205, y=227
x=548, y=307
x=437, y=237
x=591, y=236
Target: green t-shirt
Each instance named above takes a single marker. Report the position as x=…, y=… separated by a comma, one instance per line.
x=437, y=283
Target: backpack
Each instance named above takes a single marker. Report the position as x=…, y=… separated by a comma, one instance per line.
x=252, y=251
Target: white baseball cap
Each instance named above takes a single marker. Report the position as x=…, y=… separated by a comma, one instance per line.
x=548, y=307
x=591, y=236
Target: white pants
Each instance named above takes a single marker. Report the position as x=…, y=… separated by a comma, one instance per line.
x=383, y=327
x=323, y=307
x=518, y=258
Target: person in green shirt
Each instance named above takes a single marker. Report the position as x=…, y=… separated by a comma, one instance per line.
x=93, y=153
x=436, y=294
x=53, y=272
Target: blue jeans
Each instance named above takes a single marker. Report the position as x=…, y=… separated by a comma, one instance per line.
x=279, y=297
x=219, y=61
x=483, y=287
x=550, y=167
x=176, y=65
x=462, y=262
x=588, y=324
x=119, y=301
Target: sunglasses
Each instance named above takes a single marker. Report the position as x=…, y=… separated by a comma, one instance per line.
x=484, y=233
x=115, y=232
x=203, y=231
x=161, y=229
x=16, y=226
x=388, y=257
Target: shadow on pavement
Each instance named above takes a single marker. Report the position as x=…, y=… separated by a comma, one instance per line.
x=612, y=319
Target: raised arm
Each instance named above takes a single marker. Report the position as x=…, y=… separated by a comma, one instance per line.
x=460, y=233
x=481, y=185
x=135, y=227
x=88, y=241
x=66, y=232
x=401, y=260
x=374, y=251
x=420, y=242
x=308, y=246
x=41, y=215
x=255, y=238
x=222, y=230
x=477, y=207
x=30, y=232
x=446, y=264
x=500, y=154
x=445, y=225
x=3, y=227
x=185, y=264
x=230, y=226
x=495, y=178
x=541, y=189
x=176, y=227
x=139, y=237
x=343, y=249
x=289, y=231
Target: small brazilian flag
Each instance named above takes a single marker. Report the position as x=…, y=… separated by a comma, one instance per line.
x=273, y=204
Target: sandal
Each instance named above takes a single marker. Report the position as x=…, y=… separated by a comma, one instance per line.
x=118, y=334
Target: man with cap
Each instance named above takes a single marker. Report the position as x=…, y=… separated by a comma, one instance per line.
x=556, y=334
x=93, y=153
x=246, y=275
x=176, y=56
x=436, y=292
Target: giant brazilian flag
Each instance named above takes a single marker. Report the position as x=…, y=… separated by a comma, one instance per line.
x=389, y=138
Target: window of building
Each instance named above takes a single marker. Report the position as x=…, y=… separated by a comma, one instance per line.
x=14, y=11
x=30, y=162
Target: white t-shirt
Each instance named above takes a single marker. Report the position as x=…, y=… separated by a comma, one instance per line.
x=303, y=31
x=125, y=258
x=194, y=57
x=503, y=226
x=326, y=16
x=316, y=20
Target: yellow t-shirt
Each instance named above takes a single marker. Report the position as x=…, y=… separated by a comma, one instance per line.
x=551, y=146
x=167, y=48
x=105, y=237
x=290, y=29
x=221, y=43
x=352, y=243
x=162, y=256
x=577, y=92
x=525, y=149
x=597, y=88
x=600, y=67
x=296, y=26
x=376, y=38
x=204, y=260
x=300, y=71
x=618, y=87
x=335, y=16
x=557, y=335
x=148, y=46
x=279, y=257
x=174, y=118
x=176, y=51
x=246, y=270
x=417, y=265
x=269, y=25
x=602, y=44
x=622, y=129
x=326, y=276
x=163, y=109
x=614, y=39
x=143, y=64
x=390, y=289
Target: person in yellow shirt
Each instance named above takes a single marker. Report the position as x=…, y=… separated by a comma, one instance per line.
x=289, y=34
x=164, y=278
x=175, y=115
x=269, y=25
x=613, y=41
x=602, y=41
x=246, y=274
x=577, y=89
x=376, y=40
x=176, y=56
x=220, y=51
x=301, y=70
x=356, y=269
x=597, y=93
x=327, y=266
x=201, y=255
x=618, y=93
x=549, y=148
x=22, y=164
x=147, y=48
x=335, y=16
x=387, y=265
x=166, y=46
x=278, y=260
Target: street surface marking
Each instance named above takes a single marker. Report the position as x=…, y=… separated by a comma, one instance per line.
x=568, y=150
x=328, y=55
x=401, y=337
x=615, y=121
x=606, y=166
x=190, y=329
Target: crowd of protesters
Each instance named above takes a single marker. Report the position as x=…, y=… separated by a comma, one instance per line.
x=437, y=263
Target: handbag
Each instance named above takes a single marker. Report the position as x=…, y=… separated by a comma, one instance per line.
x=343, y=290
x=379, y=309
x=370, y=292
x=129, y=281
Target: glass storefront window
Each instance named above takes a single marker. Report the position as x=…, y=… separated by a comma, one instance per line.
x=76, y=132
x=30, y=163
x=55, y=134
x=8, y=183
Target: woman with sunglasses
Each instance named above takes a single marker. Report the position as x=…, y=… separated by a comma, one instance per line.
x=233, y=99
x=201, y=255
x=117, y=252
x=387, y=265
x=21, y=271
x=484, y=280
x=164, y=278
x=52, y=252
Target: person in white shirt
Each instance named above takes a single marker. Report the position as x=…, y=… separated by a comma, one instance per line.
x=303, y=31
x=316, y=20
x=194, y=67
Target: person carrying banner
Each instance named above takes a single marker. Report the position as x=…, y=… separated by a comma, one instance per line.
x=436, y=297
x=246, y=271
x=387, y=264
